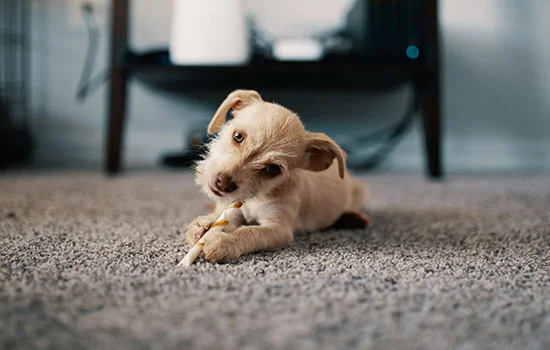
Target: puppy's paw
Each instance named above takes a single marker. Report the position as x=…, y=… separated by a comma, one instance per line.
x=197, y=228
x=220, y=247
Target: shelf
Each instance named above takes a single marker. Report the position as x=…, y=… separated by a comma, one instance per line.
x=155, y=70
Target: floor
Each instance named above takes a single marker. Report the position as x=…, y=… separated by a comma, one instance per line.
x=90, y=262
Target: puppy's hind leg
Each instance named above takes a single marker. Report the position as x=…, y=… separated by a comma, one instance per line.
x=352, y=220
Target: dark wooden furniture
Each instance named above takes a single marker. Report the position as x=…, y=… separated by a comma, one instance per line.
x=155, y=69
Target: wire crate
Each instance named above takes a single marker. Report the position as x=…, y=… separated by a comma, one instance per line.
x=15, y=136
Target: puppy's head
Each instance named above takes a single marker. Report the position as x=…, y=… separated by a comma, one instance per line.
x=260, y=148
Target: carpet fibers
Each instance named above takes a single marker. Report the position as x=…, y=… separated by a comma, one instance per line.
x=89, y=262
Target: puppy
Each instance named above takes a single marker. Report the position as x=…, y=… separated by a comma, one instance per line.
x=287, y=176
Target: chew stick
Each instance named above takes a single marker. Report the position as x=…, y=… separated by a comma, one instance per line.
x=228, y=221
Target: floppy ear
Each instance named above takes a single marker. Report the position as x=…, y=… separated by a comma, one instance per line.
x=320, y=153
x=236, y=100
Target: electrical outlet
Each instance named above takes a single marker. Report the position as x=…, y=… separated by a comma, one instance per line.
x=77, y=20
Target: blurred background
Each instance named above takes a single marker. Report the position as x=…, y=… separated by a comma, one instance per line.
x=493, y=59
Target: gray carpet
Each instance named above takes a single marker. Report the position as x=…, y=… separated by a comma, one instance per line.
x=88, y=262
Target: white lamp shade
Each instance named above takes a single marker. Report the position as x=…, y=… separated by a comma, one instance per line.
x=209, y=32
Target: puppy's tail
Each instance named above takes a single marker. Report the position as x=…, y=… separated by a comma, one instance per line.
x=359, y=195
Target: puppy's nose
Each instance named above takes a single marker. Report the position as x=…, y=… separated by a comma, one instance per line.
x=224, y=183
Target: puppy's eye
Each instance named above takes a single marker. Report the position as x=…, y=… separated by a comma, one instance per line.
x=272, y=170
x=238, y=137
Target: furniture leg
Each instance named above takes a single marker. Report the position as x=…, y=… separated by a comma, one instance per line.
x=431, y=93
x=431, y=115
x=117, y=86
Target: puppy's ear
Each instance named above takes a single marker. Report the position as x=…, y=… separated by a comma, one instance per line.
x=236, y=100
x=320, y=153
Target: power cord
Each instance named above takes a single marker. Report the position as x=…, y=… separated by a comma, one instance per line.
x=388, y=137
x=87, y=84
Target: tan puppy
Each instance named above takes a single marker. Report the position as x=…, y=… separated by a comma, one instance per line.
x=285, y=174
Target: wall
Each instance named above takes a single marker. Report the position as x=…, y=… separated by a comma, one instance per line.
x=496, y=86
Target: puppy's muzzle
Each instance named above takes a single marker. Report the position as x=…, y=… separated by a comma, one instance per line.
x=224, y=183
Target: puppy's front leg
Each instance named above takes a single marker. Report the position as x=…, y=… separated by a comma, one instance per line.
x=223, y=247
x=200, y=225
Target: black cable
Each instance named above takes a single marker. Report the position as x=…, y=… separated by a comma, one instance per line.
x=392, y=135
x=87, y=84
x=261, y=40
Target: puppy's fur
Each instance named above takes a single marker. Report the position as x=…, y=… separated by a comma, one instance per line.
x=311, y=192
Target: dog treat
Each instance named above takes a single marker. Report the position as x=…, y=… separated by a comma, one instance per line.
x=228, y=221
